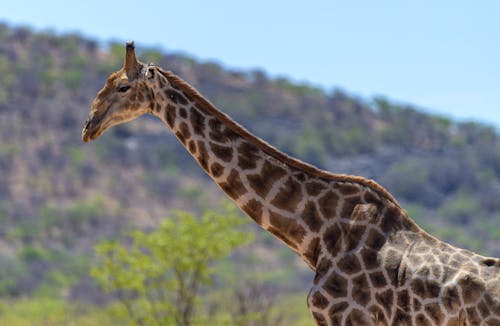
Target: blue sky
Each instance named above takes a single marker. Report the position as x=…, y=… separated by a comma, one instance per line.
x=443, y=56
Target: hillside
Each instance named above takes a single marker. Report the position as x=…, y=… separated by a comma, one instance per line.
x=59, y=197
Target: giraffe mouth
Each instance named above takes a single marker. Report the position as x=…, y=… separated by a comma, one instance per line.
x=88, y=136
x=92, y=129
x=96, y=125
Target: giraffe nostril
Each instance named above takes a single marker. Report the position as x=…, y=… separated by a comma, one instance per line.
x=89, y=127
x=87, y=124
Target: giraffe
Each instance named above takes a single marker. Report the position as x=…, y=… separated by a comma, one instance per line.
x=373, y=265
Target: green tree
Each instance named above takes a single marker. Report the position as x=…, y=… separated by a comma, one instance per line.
x=409, y=180
x=461, y=207
x=158, y=277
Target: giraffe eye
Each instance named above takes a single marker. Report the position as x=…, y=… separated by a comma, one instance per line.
x=123, y=89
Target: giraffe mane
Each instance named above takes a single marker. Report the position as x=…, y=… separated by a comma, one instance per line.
x=205, y=105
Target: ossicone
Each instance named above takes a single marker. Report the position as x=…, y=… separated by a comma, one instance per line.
x=132, y=66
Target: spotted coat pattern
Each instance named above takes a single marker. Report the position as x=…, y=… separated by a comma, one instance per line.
x=373, y=264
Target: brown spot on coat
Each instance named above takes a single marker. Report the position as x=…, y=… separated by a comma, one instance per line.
x=323, y=267
x=262, y=182
x=288, y=196
x=184, y=129
x=346, y=188
x=328, y=204
x=473, y=316
x=483, y=309
x=361, y=290
x=434, y=311
x=301, y=177
x=175, y=85
x=248, y=155
x=375, y=239
x=492, y=321
x=338, y=308
x=403, y=300
x=336, y=285
x=391, y=220
x=311, y=217
x=471, y=288
x=162, y=81
x=332, y=239
x=356, y=317
x=432, y=289
x=188, y=96
x=319, y=319
x=348, y=207
x=287, y=228
x=192, y=147
x=216, y=169
x=418, y=287
x=312, y=251
x=353, y=236
x=372, y=198
x=349, y=264
x=183, y=113
x=140, y=97
x=416, y=304
x=197, y=122
x=370, y=258
x=385, y=299
x=280, y=235
x=318, y=300
x=180, y=136
x=378, y=315
x=224, y=153
x=230, y=134
x=313, y=188
x=215, y=133
x=220, y=133
x=254, y=209
x=378, y=279
x=176, y=97
x=202, y=155
x=402, y=318
x=233, y=185
x=170, y=115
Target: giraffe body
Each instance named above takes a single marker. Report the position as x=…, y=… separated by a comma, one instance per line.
x=373, y=264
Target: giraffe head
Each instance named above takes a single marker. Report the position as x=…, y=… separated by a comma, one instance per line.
x=126, y=95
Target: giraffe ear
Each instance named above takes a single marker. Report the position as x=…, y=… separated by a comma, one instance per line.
x=149, y=74
x=131, y=64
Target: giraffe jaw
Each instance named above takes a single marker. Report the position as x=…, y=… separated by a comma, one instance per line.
x=92, y=129
x=88, y=136
x=95, y=126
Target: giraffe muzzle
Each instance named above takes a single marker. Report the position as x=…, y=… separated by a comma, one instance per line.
x=91, y=129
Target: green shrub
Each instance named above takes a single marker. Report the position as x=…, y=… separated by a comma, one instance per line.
x=49, y=311
x=30, y=253
x=159, y=277
x=415, y=211
x=11, y=274
x=409, y=180
x=309, y=146
x=460, y=207
x=72, y=78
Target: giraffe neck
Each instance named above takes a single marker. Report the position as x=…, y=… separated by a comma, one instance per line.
x=298, y=203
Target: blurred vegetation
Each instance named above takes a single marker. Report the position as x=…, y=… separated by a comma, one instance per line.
x=160, y=277
x=59, y=198
x=49, y=311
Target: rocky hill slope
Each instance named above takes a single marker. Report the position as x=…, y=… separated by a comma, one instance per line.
x=58, y=197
